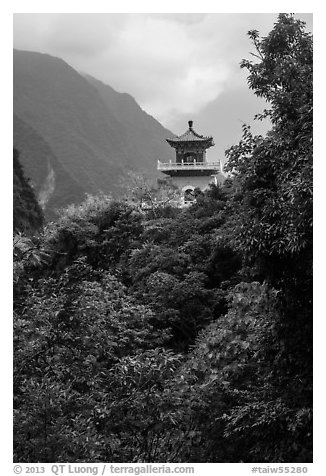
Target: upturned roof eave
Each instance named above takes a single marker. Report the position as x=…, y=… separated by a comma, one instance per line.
x=207, y=140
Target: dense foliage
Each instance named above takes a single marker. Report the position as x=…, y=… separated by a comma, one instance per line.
x=180, y=335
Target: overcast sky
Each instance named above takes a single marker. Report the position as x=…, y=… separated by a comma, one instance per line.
x=177, y=66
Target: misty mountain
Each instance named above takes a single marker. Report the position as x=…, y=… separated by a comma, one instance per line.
x=77, y=135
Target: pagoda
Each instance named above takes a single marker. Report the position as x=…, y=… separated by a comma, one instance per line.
x=190, y=170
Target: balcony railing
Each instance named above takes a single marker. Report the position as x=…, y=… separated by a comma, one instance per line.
x=188, y=166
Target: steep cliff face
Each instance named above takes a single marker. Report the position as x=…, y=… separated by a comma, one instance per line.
x=53, y=186
x=48, y=187
x=80, y=131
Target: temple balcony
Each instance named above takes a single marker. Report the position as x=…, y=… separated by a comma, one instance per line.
x=189, y=168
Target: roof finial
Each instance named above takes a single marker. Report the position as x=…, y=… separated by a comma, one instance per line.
x=190, y=124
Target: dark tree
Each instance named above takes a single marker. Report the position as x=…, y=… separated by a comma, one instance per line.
x=274, y=228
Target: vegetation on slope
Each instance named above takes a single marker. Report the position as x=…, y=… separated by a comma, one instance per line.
x=27, y=213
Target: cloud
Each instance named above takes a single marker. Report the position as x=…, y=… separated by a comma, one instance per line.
x=173, y=64
x=72, y=34
x=186, y=18
x=165, y=66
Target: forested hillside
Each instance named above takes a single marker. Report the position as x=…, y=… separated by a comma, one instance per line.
x=27, y=213
x=82, y=131
x=180, y=335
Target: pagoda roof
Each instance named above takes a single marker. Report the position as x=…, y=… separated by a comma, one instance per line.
x=191, y=136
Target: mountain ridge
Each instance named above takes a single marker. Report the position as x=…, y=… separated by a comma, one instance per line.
x=96, y=134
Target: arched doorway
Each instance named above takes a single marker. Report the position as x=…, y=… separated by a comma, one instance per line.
x=188, y=194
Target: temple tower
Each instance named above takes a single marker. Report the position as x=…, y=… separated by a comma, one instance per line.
x=190, y=170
